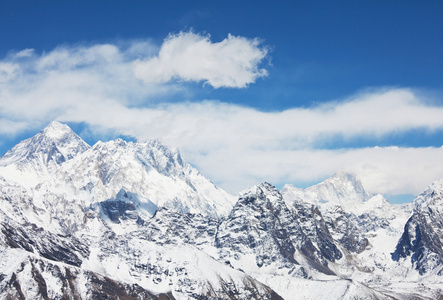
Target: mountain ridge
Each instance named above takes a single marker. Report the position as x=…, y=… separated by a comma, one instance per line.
x=134, y=217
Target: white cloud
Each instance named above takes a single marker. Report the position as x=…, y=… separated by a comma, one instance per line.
x=238, y=146
x=382, y=170
x=10, y=127
x=64, y=58
x=369, y=115
x=233, y=145
x=24, y=53
x=187, y=56
x=8, y=71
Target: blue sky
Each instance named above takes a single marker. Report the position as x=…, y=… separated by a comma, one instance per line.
x=321, y=50
x=343, y=85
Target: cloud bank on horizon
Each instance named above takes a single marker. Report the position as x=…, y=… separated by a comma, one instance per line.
x=119, y=88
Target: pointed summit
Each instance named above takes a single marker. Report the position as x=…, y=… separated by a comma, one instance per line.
x=347, y=186
x=56, y=130
x=342, y=189
x=44, y=152
x=267, y=230
x=433, y=195
x=66, y=140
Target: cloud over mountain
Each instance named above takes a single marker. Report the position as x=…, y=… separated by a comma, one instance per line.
x=136, y=88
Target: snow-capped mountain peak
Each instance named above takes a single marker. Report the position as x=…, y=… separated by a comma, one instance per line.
x=57, y=143
x=41, y=155
x=124, y=209
x=149, y=169
x=264, y=188
x=342, y=189
x=128, y=218
x=431, y=196
x=57, y=130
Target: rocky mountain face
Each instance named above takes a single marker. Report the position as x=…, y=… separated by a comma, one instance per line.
x=260, y=225
x=366, y=229
x=123, y=220
x=351, y=215
x=422, y=239
x=118, y=220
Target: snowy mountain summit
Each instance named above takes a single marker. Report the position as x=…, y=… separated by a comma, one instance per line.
x=57, y=155
x=56, y=144
x=133, y=220
x=342, y=189
x=40, y=156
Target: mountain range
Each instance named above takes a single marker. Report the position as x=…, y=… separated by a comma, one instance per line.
x=133, y=220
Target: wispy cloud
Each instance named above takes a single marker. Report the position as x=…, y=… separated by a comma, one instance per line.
x=112, y=86
x=8, y=71
x=24, y=53
x=387, y=170
x=239, y=146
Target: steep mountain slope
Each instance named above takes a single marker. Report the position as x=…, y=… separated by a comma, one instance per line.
x=71, y=230
x=349, y=210
x=288, y=249
x=54, y=177
x=135, y=255
x=36, y=158
x=149, y=169
x=422, y=240
x=261, y=225
x=364, y=227
x=26, y=276
x=134, y=221
x=195, y=255
x=342, y=189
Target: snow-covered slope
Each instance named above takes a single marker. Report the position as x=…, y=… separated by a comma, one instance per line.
x=91, y=222
x=56, y=164
x=148, y=169
x=134, y=221
x=288, y=249
x=421, y=244
x=342, y=189
x=37, y=158
x=262, y=227
x=343, y=195
x=364, y=227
